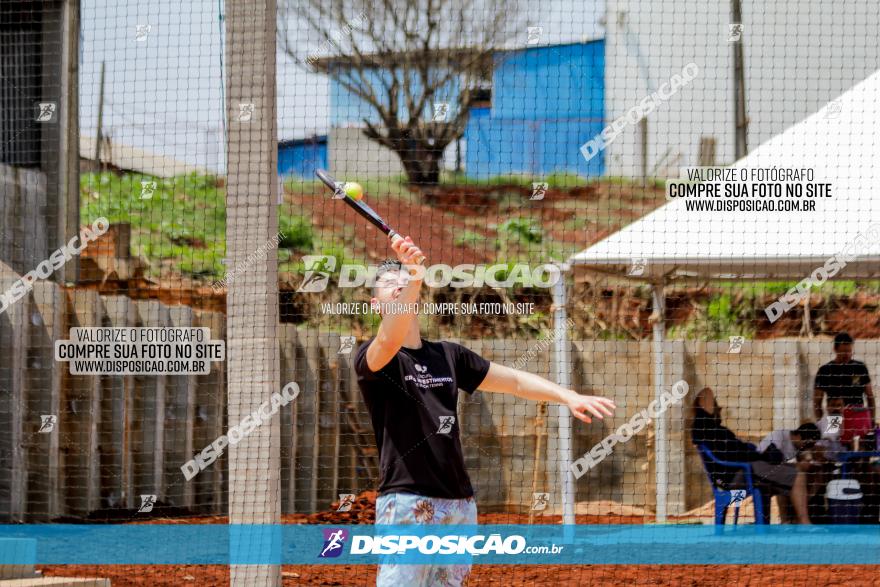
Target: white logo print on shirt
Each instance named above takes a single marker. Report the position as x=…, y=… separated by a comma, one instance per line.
x=425, y=380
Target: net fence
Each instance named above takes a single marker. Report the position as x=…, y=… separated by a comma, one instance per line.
x=669, y=204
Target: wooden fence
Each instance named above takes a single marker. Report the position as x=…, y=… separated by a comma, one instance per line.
x=120, y=437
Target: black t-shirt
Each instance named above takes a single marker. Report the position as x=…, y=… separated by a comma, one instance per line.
x=846, y=380
x=412, y=403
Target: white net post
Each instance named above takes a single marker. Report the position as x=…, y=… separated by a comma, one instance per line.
x=252, y=302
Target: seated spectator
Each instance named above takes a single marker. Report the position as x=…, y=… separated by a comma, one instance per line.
x=780, y=479
x=789, y=443
x=802, y=445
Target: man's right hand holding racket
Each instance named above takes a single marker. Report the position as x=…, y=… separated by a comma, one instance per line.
x=408, y=253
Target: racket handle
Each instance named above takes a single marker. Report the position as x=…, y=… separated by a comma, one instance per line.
x=394, y=235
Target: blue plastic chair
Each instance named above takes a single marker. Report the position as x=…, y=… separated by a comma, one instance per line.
x=724, y=498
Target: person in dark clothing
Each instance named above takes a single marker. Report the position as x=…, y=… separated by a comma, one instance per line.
x=780, y=479
x=845, y=378
x=411, y=386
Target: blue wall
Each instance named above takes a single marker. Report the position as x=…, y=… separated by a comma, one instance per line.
x=546, y=103
x=302, y=157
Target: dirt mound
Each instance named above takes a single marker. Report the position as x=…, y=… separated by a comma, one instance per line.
x=363, y=511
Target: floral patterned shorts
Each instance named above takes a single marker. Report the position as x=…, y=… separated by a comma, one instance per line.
x=408, y=508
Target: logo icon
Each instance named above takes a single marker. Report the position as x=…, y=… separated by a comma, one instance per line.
x=534, y=33
x=737, y=496
x=334, y=539
x=540, y=501
x=346, y=500
x=835, y=423
x=47, y=423
x=148, y=188
x=246, y=112
x=539, y=188
x=446, y=424
x=833, y=109
x=441, y=110
x=147, y=503
x=736, y=343
x=338, y=190
x=734, y=32
x=46, y=111
x=141, y=32
x=318, y=269
x=421, y=369
x=637, y=267
x=346, y=345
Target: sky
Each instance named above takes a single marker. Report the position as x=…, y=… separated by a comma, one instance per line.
x=163, y=60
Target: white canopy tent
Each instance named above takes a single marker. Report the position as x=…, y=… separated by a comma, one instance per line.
x=839, y=143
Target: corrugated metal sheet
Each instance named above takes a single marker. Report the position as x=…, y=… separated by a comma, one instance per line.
x=302, y=157
x=546, y=102
x=20, y=59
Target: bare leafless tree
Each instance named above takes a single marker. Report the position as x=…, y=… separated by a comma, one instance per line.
x=405, y=59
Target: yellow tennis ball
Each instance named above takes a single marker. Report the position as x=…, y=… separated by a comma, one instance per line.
x=353, y=190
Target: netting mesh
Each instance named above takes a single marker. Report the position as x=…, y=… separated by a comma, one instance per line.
x=666, y=204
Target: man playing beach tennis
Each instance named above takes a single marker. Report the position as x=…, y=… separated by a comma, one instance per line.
x=410, y=386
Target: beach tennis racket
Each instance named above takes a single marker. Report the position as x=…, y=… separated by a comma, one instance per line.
x=360, y=207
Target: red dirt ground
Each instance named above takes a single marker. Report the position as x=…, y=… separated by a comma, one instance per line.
x=504, y=575
x=363, y=511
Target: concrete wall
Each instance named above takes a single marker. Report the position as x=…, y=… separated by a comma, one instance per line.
x=351, y=154
x=799, y=55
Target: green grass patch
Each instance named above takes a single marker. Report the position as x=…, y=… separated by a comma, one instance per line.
x=178, y=221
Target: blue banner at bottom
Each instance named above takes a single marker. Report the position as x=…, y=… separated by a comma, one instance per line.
x=217, y=544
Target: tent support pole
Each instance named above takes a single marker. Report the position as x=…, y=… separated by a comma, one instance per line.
x=661, y=441
x=561, y=355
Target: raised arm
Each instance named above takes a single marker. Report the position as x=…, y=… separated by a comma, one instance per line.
x=501, y=379
x=396, y=324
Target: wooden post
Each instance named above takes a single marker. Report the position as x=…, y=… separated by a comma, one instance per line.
x=152, y=314
x=313, y=360
x=288, y=423
x=538, y=465
x=13, y=408
x=68, y=151
x=50, y=311
x=118, y=470
x=84, y=411
x=183, y=409
x=210, y=408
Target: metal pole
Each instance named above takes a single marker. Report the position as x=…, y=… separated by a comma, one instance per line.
x=562, y=367
x=643, y=136
x=739, y=85
x=661, y=452
x=100, y=120
x=68, y=153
